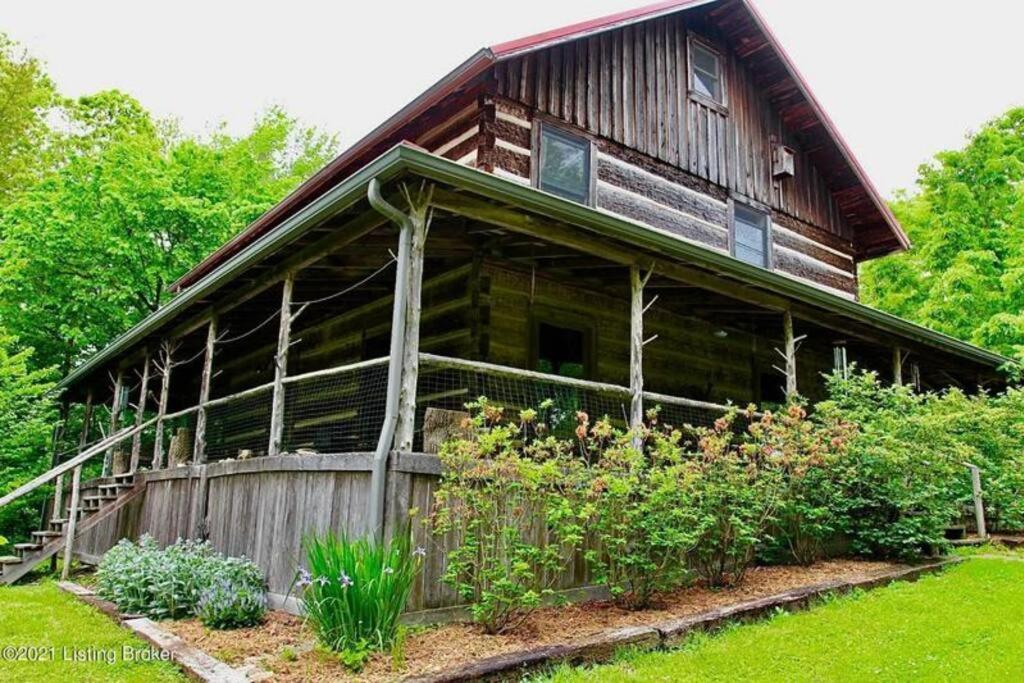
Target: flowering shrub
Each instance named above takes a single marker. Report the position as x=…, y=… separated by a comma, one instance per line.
x=355, y=590
x=142, y=578
x=640, y=511
x=231, y=603
x=510, y=495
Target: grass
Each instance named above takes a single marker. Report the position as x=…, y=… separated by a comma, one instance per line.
x=964, y=624
x=74, y=641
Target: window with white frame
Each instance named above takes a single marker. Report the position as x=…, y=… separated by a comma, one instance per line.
x=706, y=73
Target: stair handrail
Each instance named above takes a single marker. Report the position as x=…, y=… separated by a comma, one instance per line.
x=74, y=462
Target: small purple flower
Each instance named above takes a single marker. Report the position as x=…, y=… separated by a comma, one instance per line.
x=344, y=580
x=304, y=578
x=420, y=552
x=322, y=580
x=389, y=570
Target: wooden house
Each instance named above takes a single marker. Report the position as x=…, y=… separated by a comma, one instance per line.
x=649, y=209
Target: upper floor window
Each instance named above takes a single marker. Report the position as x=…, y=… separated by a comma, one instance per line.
x=706, y=73
x=750, y=236
x=565, y=162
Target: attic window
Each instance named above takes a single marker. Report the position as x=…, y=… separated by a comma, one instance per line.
x=706, y=73
x=564, y=164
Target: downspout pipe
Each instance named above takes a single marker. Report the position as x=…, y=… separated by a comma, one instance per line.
x=394, y=385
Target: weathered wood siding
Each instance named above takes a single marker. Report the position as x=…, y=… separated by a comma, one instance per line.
x=668, y=159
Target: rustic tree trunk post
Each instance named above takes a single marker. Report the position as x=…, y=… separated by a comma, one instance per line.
x=897, y=367
x=167, y=362
x=83, y=440
x=915, y=376
x=790, y=353
x=979, y=505
x=636, y=352
x=404, y=432
x=69, y=534
x=115, y=419
x=199, y=456
x=281, y=367
x=140, y=414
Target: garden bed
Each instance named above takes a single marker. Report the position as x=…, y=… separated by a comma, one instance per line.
x=285, y=648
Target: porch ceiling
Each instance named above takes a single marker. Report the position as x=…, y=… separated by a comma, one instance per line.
x=529, y=225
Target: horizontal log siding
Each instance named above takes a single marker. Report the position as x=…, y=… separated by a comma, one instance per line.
x=628, y=87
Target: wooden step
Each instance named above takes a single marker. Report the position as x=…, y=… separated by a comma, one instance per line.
x=124, y=479
x=23, y=548
x=46, y=534
x=9, y=559
x=57, y=524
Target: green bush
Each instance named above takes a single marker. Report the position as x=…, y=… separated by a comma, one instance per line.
x=641, y=512
x=355, y=590
x=142, y=578
x=511, y=497
x=231, y=603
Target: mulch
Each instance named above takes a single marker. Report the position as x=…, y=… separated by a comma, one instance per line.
x=284, y=649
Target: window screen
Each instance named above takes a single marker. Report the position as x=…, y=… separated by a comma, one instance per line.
x=565, y=164
x=706, y=72
x=561, y=351
x=750, y=236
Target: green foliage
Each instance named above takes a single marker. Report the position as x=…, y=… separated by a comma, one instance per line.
x=355, y=590
x=140, y=578
x=27, y=415
x=231, y=603
x=641, y=511
x=510, y=496
x=965, y=275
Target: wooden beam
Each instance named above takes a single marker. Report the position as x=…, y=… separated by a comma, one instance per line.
x=636, y=352
x=419, y=213
x=790, y=343
x=199, y=456
x=915, y=376
x=284, y=334
x=897, y=366
x=71, y=528
x=140, y=415
x=115, y=418
x=167, y=363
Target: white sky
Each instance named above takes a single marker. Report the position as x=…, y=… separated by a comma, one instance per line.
x=901, y=78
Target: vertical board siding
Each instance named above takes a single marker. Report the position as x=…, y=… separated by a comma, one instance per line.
x=630, y=86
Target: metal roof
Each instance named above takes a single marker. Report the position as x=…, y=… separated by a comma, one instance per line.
x=408, y=159
x=477, y=65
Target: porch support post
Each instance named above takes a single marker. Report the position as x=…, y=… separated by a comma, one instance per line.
x=166, y=363
x=790, y=354
x=71, y=528
x=915, y=376
x=897, y=366
x=115, y=419
x=636, y=352
x=281, y=367
x=140, y=414
x=405, y=431
x=979, y=505
x=204, y=392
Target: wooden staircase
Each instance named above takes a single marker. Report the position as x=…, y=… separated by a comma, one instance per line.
x=114, y=493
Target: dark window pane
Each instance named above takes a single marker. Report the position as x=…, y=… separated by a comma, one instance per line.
x=565, y=165
x=706, y=72
x=560, y=351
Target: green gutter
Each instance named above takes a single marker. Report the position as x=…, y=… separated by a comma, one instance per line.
x=405, y=158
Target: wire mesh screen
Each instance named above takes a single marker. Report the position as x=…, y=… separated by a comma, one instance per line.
x=673, y=412
x=179, y=438
x=239, y=427
x=336, y=412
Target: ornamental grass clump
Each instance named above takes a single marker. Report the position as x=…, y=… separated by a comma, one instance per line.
x=354, y=591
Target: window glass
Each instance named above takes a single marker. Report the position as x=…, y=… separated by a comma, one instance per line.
x=705, y=69
x=750, y=236
x=565, y=164
x=561, y=351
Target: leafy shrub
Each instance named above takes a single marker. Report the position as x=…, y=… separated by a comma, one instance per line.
x=355, y=590
x=510, y=497
x=641, y=512
x=142, y=578
x=230, y=603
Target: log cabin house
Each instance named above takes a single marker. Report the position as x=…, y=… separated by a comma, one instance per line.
x=646, y=209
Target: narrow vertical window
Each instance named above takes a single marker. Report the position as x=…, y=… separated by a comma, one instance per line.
x=706, y=73
x=564, y=164
x=750, y=236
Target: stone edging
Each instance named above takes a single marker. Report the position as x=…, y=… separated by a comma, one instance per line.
x=196, y=664
x=603, y=646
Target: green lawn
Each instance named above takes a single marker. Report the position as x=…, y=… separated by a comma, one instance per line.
x=966, y=624
x=75, y=642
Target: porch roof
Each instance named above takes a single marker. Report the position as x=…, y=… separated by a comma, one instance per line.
x=534, y=205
